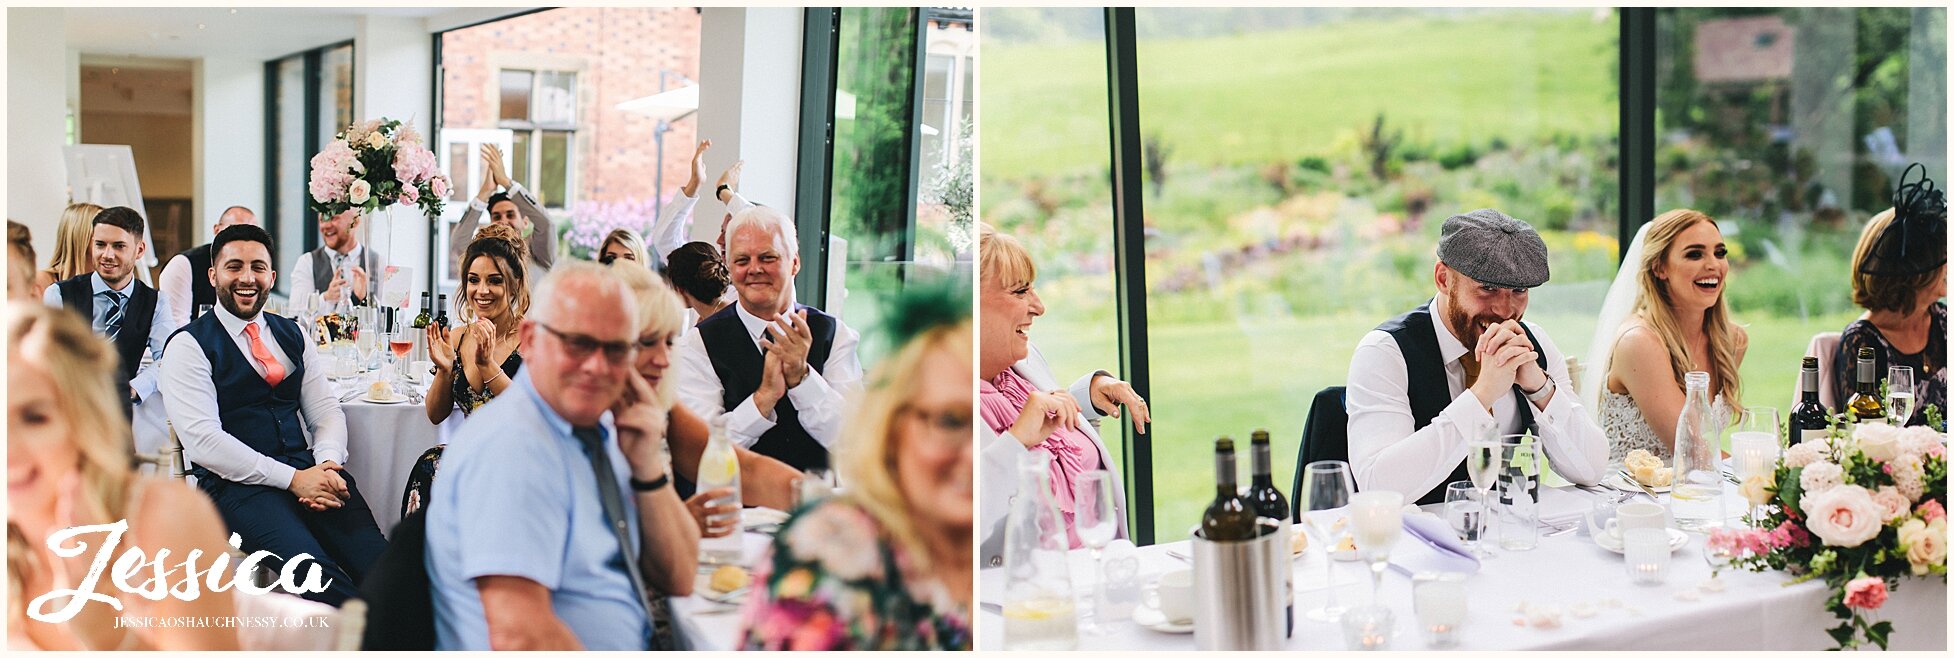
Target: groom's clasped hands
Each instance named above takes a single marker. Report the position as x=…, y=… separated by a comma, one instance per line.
x=1506, y=357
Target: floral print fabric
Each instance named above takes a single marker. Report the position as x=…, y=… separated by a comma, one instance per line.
x=834, y=582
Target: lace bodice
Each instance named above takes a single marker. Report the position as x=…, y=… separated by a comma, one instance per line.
x=1626, y=429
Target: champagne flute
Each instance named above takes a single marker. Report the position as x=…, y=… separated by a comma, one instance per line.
x=1376, y=520
x=1899, y=394
x=1093, y=517
x=1482, y=465
x=1326, y=485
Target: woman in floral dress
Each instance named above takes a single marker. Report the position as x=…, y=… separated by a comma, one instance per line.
x=887, y=563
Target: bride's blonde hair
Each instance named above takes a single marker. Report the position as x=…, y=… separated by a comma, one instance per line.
x=1653, y=305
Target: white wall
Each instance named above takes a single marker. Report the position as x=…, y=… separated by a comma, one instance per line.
x=749, y=104
x=38, y=88
x=393, y=77
x=227, y=141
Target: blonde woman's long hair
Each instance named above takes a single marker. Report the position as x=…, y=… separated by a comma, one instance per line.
x=83, y=368
x=1653, y=305
x=866, y=458
x=71, y=239
x=630, y=241
x=660, y=313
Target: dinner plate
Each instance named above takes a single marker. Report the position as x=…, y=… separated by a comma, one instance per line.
x=762, y=519
x=1613, y=544
x=368, y=397
x=1151, y=619
x=702, y=586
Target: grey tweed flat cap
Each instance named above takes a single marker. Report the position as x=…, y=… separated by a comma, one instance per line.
x=1493, y=249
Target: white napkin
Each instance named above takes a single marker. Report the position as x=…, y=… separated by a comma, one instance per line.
x=1559, y=506
x=1428, y=543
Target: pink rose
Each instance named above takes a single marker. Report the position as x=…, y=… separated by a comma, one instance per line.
x=440, y=187
x=1931, y=511
x=409, y=194
x=1843, y=516
x=1868, y=593
x=1892, y=503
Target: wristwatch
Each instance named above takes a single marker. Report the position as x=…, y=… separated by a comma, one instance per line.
x=1539, y=396
x=654, y=485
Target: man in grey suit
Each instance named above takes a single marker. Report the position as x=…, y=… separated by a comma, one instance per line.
x=339, y=266
x=514, y=207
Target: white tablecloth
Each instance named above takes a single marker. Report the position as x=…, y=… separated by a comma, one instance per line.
x=1756, y=611
x=714, y=626
x=382, y=442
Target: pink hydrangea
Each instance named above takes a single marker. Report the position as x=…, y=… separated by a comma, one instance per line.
x=1821, y=476
x=414, y=165
x=1907, y=472
x=1921, y=440
x=1867, y=593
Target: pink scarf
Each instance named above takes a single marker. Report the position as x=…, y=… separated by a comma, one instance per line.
x=1003, y=398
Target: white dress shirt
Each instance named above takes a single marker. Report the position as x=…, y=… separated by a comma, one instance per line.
x=174, y=286
x=191, y=398
x=1385, y=452
x=160, y=326
x=302, y=271
x=820, y=399
x=673, y=226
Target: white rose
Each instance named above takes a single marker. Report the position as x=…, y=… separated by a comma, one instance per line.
x=1879, y=446
x=1925, y=543
x=359, y=192
x=1756, y=489
x=376, y=140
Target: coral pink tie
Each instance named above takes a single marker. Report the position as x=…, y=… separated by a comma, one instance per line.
x=274, y=372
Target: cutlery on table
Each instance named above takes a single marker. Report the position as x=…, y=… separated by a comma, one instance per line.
x=1645, y=488
x=991, y=607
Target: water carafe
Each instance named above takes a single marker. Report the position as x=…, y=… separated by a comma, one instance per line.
x=1039, y=609
x=1696, y=497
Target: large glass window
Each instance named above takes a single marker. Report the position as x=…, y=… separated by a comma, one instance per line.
x=1045, y=140
x=1789, y=126
x=545, y=88
x=310, y=99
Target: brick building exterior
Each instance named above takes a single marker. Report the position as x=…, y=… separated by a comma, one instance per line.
x=616, y=55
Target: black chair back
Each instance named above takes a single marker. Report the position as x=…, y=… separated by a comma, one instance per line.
x=1326, y=436
x=399, y=596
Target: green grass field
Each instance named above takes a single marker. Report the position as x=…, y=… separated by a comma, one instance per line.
x=1276, y=96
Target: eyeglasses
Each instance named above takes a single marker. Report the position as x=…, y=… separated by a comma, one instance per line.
x=580, y=346
x=951, y=426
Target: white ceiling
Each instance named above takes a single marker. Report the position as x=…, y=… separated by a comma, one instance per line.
x=255, y=33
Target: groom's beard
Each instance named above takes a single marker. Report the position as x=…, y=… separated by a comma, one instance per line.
x=1468, y=328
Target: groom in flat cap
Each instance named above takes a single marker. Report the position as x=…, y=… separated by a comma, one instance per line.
x=1423, y=383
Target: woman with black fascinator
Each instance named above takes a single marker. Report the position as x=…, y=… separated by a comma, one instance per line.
x=1899, y=275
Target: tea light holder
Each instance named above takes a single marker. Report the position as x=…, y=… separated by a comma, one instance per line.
x=1440, y=601
x=1367, y=628
x=1646, y=553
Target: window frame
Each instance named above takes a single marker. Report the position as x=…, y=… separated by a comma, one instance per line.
x=311, y=140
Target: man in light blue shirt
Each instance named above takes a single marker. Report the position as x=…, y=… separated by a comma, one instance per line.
x=115, y=304
x=530, y=522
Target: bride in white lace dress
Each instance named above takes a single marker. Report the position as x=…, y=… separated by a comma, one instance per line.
x=1665, y=316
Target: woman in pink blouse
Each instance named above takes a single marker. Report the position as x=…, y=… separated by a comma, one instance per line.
x=1022, y=405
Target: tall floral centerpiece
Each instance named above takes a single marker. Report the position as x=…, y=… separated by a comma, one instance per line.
x=1862, y=509
x=372, y=166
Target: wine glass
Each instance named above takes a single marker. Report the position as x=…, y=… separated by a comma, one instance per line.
x=1899, y=393
x=1326, y=485
x=1376, y=520
x=1463, y=509
x=1093, y=517
x=1482, y=465
x=400, y=341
